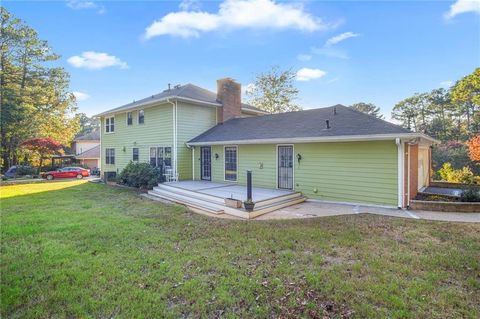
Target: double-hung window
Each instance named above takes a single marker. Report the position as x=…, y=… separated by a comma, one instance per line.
x=230, y=163
x=110, y=124
x=141, y=117
x=109, y=156
x=135, y=154
x=129, y=118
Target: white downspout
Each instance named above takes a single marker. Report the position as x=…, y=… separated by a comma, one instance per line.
x=174, y=126
x=408, y=176
x=193, y=163
x=176, y=146
x=400, y=165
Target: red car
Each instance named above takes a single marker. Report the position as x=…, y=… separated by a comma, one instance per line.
x=67, y=172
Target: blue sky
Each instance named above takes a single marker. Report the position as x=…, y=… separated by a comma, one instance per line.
x=345, y=52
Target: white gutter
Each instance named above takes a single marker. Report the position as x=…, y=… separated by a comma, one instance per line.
x=346, y=138
x=400, y=165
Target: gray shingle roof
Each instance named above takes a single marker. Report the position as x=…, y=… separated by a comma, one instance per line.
x=92, y=136
x=91, y=153
x=187, y=91
x=301, y=124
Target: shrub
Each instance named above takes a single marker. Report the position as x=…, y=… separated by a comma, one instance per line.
x=139, y=175
x=471, y=194
x=455, y=153
x=449, y=174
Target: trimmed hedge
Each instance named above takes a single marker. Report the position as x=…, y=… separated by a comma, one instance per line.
x=140, y=175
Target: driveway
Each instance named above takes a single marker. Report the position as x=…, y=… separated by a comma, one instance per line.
x=311, y=209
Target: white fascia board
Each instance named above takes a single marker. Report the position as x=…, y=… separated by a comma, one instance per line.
x=324, y=139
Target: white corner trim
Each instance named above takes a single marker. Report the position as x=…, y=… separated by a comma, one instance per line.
x=400, y=165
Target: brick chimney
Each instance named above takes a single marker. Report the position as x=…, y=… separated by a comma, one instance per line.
x=230, y=95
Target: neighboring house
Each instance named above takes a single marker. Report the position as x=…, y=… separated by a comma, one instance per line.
x=333, y=153
x=87, y=149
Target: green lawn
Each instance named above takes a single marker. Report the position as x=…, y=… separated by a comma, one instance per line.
x=78, y=249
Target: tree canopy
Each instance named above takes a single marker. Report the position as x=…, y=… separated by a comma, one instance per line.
x=34, y=97
x=368, y=108
x=451, y=114
x=274, y=91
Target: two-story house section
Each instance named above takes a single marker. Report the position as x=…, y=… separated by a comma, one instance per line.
x=155, y=129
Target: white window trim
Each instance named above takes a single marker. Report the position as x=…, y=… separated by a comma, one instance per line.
x=138, y=117
x=105, y=124
x=137, y=160
x=109, y=148
x=126, y=118
x=163, y=146
x=224, y=179
x=276, y=164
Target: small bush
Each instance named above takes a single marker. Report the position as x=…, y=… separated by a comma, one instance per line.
x=449, y=174
x=470, y=195
x=139, y=175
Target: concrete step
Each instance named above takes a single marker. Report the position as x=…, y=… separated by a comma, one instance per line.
x=195, y=194
x=188, y=201
x=278, y=199
x=265, y=209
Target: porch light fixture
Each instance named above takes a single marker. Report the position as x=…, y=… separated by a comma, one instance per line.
x=124, y=149
x=299, y=157
x=216, y=156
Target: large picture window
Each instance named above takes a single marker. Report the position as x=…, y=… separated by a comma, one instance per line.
x=109, y=156
x=230, y=163
x=109, y=124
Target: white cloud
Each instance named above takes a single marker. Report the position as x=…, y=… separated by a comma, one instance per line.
x=306, y=74
x=304, y=57
x=446, y=84
x=80, y=96
x=236, y=14
x=463, y=6
x=96, y=61
x=187, y=5
x=85, y=4
x=339, y=38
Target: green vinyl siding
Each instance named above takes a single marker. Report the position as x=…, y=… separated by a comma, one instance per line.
x=192, y=120
x=348, y=172
x=156, y=131
x=358, y=172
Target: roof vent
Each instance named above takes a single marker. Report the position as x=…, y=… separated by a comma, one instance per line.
x=169, y=86
x=328, y=123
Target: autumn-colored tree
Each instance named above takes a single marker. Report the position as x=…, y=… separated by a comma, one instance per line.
x=43, y=147
x=34, y=94
x=474, y=148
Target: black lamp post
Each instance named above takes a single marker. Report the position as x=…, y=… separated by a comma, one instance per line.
x=249, y=204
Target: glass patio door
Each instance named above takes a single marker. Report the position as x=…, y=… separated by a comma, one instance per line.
x=285, y=167
x=206, y=163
